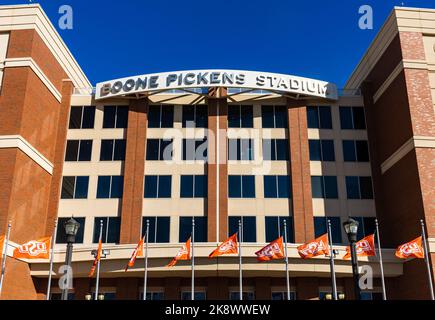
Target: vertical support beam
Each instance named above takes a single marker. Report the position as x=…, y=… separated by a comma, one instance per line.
x=134, y=170
x=59, y=156
x=300, y=173
x=217, y=200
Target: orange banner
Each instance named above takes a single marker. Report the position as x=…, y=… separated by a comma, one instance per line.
x=183, y=254
x=97, y=258
x=34, y=249
x=411, y=249
x=364, y=248
x=227, y=247
x=314, y=248
x=273, y=250
x=138, y=251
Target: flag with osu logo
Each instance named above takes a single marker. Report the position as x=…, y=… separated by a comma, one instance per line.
x=2, y=242
x=138, y=251
x=412, y=249
x=314, y=248
x=273, y=250
x=364, y=248
x=226, y=247
x=97, y=258
x=183, y=254
x=34, y=249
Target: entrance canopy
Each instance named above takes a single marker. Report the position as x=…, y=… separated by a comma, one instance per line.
x=148, y=84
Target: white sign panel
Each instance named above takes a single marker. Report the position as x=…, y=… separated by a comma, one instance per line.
x=216, y=78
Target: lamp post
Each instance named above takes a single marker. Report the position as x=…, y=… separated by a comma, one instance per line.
x=71, y=227
x=351, y=228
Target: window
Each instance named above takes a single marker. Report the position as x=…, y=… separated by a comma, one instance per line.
x=276, y=186
x=153, y=295
x=159, y=229
x=110, y=187
x=241, y=186
x=75, y=187
x=320, y=228
x=275, y=228
x=352, y=118
x=274, y=116
x=249, y=227
x=60, y=233
x=240, y=149
x=240, y=117
x=193, y=186
x=115, y=117
x=359, y=188
x=198, y=295
x=195, y=149
x=321, y=150
x=161, y=116
x=58, y=296
x=324, y=187
x=319, y=117
x=370, y=295
x=157, y=186
x=111, y=228
x=282, y=295
x=355, y=151
x=159, y=149
x=195, y=117
x=186, y=229
x=78, y=150
x=112, y=150
x=275, y=149
x=246, y=295
x=82, y=118
x=366, y=226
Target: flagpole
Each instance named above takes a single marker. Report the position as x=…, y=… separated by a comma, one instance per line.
x=193, y=259
x=426, y=258
x=331, y=262
x=286, y=260
x=98, y=263
x=381, y=264
x=5, y=255
x=146, y=262
x=240, y=260
x=50, y=272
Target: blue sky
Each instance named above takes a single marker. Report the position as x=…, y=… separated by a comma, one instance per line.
x=318, y=39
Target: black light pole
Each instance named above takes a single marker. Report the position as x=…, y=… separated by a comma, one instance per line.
x=351, y=228
x=71, y=228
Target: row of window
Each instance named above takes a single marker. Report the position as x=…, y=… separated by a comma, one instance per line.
x=239, y=116
x=159, y=228
x=195, y=186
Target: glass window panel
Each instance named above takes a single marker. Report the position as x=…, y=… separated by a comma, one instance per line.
x=200, y=229
x=153, y=149
x=166, y=150
x=289, y=223
x=165, y=186
x=201, y=186
x=247, y=149
x=106, y=151
x=75, y=118
x=88, y=118
x=154, y=117
x=103, y=187
x=201, y=149
x=96, y=236
x=189, y=146
x=349, y=154
x=233, y=116
x=233, y=149
x=81, y=187
x=71, y=152
x=317, y=186
x=362, y=150
x=312, y=117
x=315, y=150
x=268, y=149
x=328, y=150
x=150, y=189
x=352, y=188
x=360, y=232
x=114, y=228
x=109, y=117
x=152, y=228
x=248, y=186
x=283, y=187
x=319, y=226
x=185, y=229
x=359, y=122
x=119, y=151
x=162, y=233
x=249, y=229
x=122, y=117
x=282, y=153
x=234, y=186
x=331, y=191
x=272, y=228
x=325, y=117
x=167, y=116
x=201, y=116
x=247, y=117
x=335, y=229
x=366, y=187
x=117, y=186
x=233, y=225
x=188, y=118
x=267, y=117
x=281, y=117
x=270, y=187
x=346, y=118
x=186, y=186
x=369, y=225
x=68, y=186
x=85, y=150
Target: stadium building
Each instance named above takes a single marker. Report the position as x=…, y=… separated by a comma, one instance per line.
x=220, y=146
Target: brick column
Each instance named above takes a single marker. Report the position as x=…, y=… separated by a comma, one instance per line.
x=300, y=173
x=134, y=170
x=262, y=289
x=217, y=102
x=127, y=289
x=307, y=288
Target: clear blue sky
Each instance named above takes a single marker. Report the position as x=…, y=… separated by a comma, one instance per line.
x=318, y=39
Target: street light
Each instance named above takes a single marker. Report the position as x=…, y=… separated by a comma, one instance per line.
x=71, y=227
x=351, y=228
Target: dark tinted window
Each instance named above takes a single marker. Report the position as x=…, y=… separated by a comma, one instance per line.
x=362, y=151
x=274, y=116
x=110, y=230
x=240, y=149
x=167, y=120
x=88, y=118
x=122, y=117
x=315, y=150
x=72, y=148
x=186, y=229
x=81, y=191
x=85, y=150
x=352, y=188
x=154, y=117
x=324, y=187
x=150, y=187
x=75, y=118
x=158, y=229
x=312, y=118
x=82, y=118
x=349, y=153
x=109, y=117
x=193, y=186
x=358, y=118
x=267, y=117
x=321, y=150
x=366, y=188
x=325, y=117
x=240, y=117
x=68, y=187
x=319, y=117
x=331, y=191
x=328, y=153
x=106, y=151
x=275, y=228
x=317, y=187
x=249, y=230
x=320, y=228
x=195, y=149
x=119, y=151
x=346, y=118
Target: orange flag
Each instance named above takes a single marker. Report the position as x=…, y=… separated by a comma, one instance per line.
x=97, y=258
x=314, y=248
x=34, y=249
x=412, y=249
x=138, y=251
x=226, y=247
x=364, y=248
x=2, y=242
x=273, y=250
x=183, y=254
